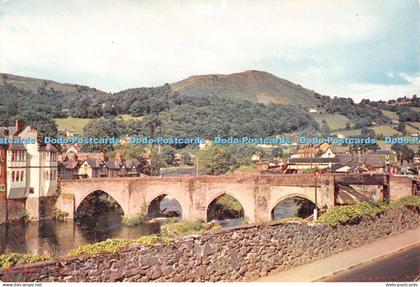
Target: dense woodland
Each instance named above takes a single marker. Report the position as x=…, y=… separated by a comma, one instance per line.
x=162, y=112
x=361, y=114
x=402, y=106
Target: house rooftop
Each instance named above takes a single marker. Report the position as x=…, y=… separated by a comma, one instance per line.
x=314, y=160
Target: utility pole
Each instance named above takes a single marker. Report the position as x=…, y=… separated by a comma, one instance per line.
x=316, y=199
x=196, y=165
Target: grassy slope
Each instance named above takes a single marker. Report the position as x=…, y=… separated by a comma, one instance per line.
x=334, y=121
x=391, y=115
x=76, y=125
x=383, y=129
x=32, y=84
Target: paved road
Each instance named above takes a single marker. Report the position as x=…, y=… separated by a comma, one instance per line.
x=347, y=261
x=401, y=266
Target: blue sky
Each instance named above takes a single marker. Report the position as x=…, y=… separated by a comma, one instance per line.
x=359, y=49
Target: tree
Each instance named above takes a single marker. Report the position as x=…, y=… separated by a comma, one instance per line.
x=276, y=152
x=404, y=153
x=168, y=155
x=102, y=128
x=41, y=122
x=156, y=162
x=368, y=132
x=186, y=158
x=213, y=160
x=401, y=128
x=348, y=125
x=325, y=127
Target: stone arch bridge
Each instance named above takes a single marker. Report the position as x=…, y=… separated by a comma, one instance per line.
x=258, y=194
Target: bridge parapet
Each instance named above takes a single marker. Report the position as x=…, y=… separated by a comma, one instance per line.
x=361, y=179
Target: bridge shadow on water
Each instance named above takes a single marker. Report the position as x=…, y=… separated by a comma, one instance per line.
x=294, y=206
x=227, y=210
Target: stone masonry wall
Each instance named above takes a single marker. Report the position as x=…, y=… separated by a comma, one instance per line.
x=241, y=253
x=15, y=209
x=400, y=186
x=3, y=207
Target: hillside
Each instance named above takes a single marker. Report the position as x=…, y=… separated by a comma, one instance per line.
x=255, y=86
x=221, y=105
x=33, y=84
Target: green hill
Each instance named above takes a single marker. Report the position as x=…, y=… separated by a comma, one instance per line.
x=33, y=84
x=255, y=86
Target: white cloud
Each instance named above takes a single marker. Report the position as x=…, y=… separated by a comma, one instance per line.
x=167, y=40
x=359, y=91
x=116, y=45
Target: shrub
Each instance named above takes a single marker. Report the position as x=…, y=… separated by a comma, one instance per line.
x=411, y=200
x=349, y=214
x=11, y=259
x=113, y=246
x=138, y=218
x=153, y=239
x=183, y=227
x=60, y=215
x=211, y=226
x=135, y=220
x=110, y=246
x=290, y=219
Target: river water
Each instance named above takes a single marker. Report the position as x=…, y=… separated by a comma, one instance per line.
x=58, y=238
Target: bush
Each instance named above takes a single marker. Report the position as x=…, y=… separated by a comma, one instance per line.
x=135, y=220
x=11, y=259
x=290, y=219
x=352, y=214
x=59, y=215
x=138, y=218
x=411, y=200
x=110, y=246
x=113, y=246
x=153, y=239
x=349, y=214
x=183, y=227
x=212, y=226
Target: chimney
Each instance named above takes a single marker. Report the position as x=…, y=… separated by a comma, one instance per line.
x=20, y=125
x=102, y=156
x=119, y=156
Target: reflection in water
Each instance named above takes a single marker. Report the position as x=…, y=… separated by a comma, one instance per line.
x=293, y=207
x=57, y=238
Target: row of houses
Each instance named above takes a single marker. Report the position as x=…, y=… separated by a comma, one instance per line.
x=94, y=168
x=325, y=157
x=28, y=172
x=381, y=161
x=75, y=164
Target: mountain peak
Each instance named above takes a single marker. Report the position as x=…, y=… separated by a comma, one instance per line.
x=252, y=85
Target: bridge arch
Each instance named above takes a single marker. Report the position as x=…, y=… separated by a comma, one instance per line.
x=154, y=202
x=114, y=194
x=214, y=198
x=182, y=198
x=292, y=195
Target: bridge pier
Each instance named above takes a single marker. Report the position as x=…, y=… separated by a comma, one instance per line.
x=400, y=186
x=66, y=203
